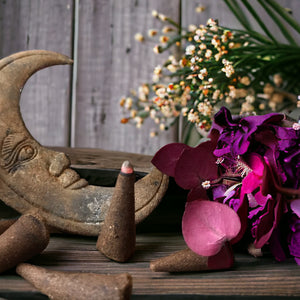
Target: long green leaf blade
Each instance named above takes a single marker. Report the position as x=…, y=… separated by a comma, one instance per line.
x=258, y=20
x=285, y=15
x=277, y=21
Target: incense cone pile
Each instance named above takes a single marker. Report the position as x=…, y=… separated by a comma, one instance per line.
x=117, y=237
x=27, y=237
x=188, y=261
x=59, y=285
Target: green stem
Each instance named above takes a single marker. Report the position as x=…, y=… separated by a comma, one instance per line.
x=172, y=22
x=276, y=20
x=253, y=34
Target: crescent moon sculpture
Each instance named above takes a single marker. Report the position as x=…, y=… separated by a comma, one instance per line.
x=34, y=179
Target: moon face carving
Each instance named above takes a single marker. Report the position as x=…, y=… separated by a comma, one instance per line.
x=17, y=150
x=35, y=178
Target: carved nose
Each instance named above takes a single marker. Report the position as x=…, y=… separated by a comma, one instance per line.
x=59, y=163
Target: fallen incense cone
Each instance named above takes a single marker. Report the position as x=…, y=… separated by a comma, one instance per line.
x=117, y=237
x=27, y=237
x=5, y=224
x=188, y=261
x=70, y=285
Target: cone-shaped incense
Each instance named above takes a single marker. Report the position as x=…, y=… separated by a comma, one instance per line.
x=60, y=285
x=188, y=261
x=24, y=239
x=118, y=233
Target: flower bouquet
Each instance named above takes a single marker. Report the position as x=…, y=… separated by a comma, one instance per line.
x=250, y=72
x=244, y=183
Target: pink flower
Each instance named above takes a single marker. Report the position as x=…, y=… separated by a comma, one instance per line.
x=207, y=226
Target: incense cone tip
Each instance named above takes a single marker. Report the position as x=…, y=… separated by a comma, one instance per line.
x=127, y=167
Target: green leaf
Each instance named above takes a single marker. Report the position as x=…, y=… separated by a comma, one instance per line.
x=239, y=14
x=284, y=14
x=258, y=20
x=277, y=21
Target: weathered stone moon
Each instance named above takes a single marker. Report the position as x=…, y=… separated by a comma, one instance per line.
x=34, y=178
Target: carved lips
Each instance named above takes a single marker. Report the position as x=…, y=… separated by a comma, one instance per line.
x=34, y=178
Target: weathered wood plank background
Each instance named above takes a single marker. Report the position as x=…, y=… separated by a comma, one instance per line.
x=79, y=106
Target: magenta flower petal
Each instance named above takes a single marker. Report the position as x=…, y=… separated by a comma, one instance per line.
x=297, y=260
x=167, y=157
x=256, y=164
x=196, y=165
x=295, y=206
x=207, y=226
x=251, y=182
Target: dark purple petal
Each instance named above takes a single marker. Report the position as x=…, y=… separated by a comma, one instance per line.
x=275, y=246
x=167, y=157
x=196, y=165
x=223, y=118
x=268, y=221
x=272, y=118
x=242, y=211
x=287, y=137
x=214, y=135
x=237, y=133
x=197, y=193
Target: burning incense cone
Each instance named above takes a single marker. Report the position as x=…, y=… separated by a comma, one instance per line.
x=188, y=261
x=70, y=285
x=24, y=239
x=118, y=233
x=5, y=224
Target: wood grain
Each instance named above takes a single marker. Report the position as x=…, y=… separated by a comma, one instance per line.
x=111, y=63
x=249, y=277
x=103, y=159
x=35, y=24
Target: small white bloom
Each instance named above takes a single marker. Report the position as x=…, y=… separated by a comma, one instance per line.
x=296, y=126
x=206, y=184
x=190, y=49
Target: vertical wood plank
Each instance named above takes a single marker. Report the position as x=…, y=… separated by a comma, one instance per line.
x=41, y=24
x=110, y=63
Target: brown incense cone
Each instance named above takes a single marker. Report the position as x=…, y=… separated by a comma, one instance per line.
x=24, y=239
x=188, y=261
x=70, y=285
x=118, y=233
x=5, y=224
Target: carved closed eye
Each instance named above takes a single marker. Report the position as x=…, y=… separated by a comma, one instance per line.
x=17, y=149
x=26, y=153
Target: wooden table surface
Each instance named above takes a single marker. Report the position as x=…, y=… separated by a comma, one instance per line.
x=158, y=235
x=249, y=277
